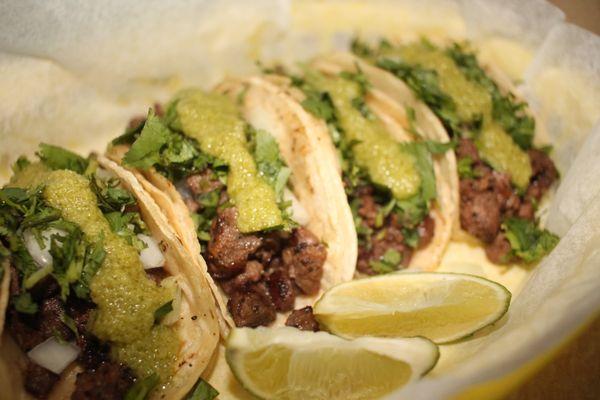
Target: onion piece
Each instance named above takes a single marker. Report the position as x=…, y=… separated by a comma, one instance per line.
x=104, y=174
x=151, y=256
x=41, y=256
x=54, y=355
x=299, y=213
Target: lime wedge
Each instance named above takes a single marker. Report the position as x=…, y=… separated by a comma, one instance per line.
x=286, y=363
x=442, y=307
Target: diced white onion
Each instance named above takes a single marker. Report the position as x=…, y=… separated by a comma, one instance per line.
x=104, y=174
x=151, y=256
x=299, y=213
x=54, y=355
x=42, y=257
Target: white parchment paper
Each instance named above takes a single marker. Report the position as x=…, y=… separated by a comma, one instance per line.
x=72, y=73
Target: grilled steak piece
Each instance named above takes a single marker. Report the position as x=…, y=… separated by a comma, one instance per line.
x=479, y=213
x=252, y=307
x=229, y=249
x=281, y=289
x=303, y=319
x=499, y=251
x=49, y=320
x=203, y=182
x=544, y=174
x=38, y=380
x=388, y=237
x=304, y=258
x=109, y=381
x=253, y=272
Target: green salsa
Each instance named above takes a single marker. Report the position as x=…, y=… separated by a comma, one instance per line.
x=125, y=297
x=386, y=162
x=494, y=143
x=213, y=120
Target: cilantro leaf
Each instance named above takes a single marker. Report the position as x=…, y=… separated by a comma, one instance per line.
x=268, y=160
x=130, y=134
x=142, y=388
x=20, y=164
x=110, y=196
x=145, y=151
x=163, y=310
x=388, y=263
x=23, y=303
x=58, y=158
x=528, y=242
x=202, y=391
x=438, y=147
x=506, y=109
x=424, y=82
x=318, y=104
x=465, y=168
x=93, y=259
x=127, y=226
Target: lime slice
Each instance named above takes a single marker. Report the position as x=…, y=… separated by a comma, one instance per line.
x=286, y=363
x=442, y=307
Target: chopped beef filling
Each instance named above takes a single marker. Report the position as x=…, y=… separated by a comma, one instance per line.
x=29, y=330
x=385, y=235
x=108, y=381
x=303, y=319
x=262, y=273
x=487, y=198
x=228, y=250
x=38, y=380
x=251, y=306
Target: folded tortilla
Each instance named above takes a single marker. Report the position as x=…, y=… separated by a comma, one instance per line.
x=318, y=190
x=196, y=327
x=389, y=99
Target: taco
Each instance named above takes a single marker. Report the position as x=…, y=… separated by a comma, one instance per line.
x=101, y=301
x=504, y=171
x=247, y=201
x=391, y=158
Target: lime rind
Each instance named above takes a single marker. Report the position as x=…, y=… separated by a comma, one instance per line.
x=419, y=354
x=322, y=315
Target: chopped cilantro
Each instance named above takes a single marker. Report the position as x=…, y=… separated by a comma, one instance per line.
x=162, y=311
x=389, y=262
x=23, y=303
x=127, y=225
x=506, y=109
x=465, y=168
x=94, y=256
x=58, y=158
x=268, y=160
x=20, y=164
x=434, y=147
x=528, y=242
x=142, y=388
x=145, y=151
x=130, y=134
x=202, y=391
x=424, y=82
x=69, y=322
x=319, y=104
x=360, y=48
x=73, y=261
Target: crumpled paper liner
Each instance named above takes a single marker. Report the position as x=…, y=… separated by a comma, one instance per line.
x=73, y=73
